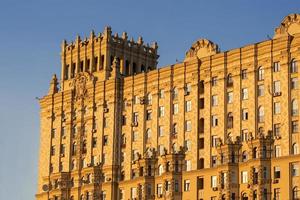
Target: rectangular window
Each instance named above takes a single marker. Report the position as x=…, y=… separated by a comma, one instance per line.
x=188, y=106
x=188, y=165
x=229, y=97
x=94, y=142
x=159, y=190
x=260, y=90
x=214, y=181
x=214, y=121
x=244, y=177
x=188, y=145
x=277, y=194
x=276, y=129
x=245, y=114
x=187, y=89
x=276, y=87
x=276, y=108
x=295, y=126
x=244, y=74
x=214, y=140
x=244, y=135
x=277, y=151
x=214, y=161
x=160, y=131
x=186, y=185
x=188, y=125
x=134, y=136
x=175, y=108
x=276, y=67
x=245, y=93
x=276, y=172
x=161, y=94
x=200, y=183
x=105, y=140
x=295, y=169
x=136, y=100
x=52, y=150
x=161, y=111
x=201, y=103
x=214, y=81
x=149, y=115
x=135, y=117
x=214, y=100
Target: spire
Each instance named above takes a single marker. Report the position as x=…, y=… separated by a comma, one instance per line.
x=53, y=85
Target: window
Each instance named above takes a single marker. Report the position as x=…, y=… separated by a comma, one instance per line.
x=294, y=67
x=53, y=133
x=214, y=81
x=214, y=181
x=148, y=134
x=188, y=165
x=294, y=107
x=294, y=126
x=135, y=136
x=294, y=83
x=175, y=93
x=200, y=183
x=149, y=99
x=160, y=170
x=276, y=172
x=244, y=156
x=295, y=149
x=187, y=89
x=148, y=114
x=276, y=194
x=104, y=122
x=244, y=74
x=276, y=129
x=214, y=141
x=188, y=125
x=161, y=111
x=63, y=131
x=276, y=87
x=188, y=106
x=261, y=114
x=135, y=117
x=105, y=140
x=245, y=114
x=245, y=93
x=201, y=103
x=260, y=90
x=229, y=97
x=175, y=108
x=276, y=108
x=74, y=149
x=214, y=121
x=214, y=161
x=230, y=120
x=161, y=94
x=135, y=154
x=159, y=190
x=277, y=151
x=244, y=135
x=229, y=80
x=175, y=128
x=260, y=74
x=186, y=185
x=276, y=67
x=188, y=145
x=52, y=151
x=161, y=150
x=295, y=169
x=296, y=194
x=214, y=100
x=136, y=100
x=133, y=193
x=160, y=131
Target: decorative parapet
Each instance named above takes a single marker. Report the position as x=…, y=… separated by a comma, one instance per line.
x=201, y=48
x=289, y=26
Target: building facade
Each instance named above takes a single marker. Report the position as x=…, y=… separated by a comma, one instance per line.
x=219, y=125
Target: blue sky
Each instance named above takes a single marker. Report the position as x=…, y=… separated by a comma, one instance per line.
x=31, y=32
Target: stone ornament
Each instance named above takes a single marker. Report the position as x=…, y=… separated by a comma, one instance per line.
x=79, y=84
x=202, y=48
x=289, y=26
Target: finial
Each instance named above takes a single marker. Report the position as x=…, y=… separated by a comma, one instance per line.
x=154, y=45
x=140, y=40
x=124, y=36
x=77, y=40
x=92, y=34
x=53, y=85
x=116, y=35
x=131, y=39
x=63, y=45
x=107, y=31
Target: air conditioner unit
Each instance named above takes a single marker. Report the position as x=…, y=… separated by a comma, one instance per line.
x=275, y=181
x=62, y=155
x=63, y=119
x=248, y=186
x=160, y=195
x=277, y=137
x=64, y=137
x=134, y=124
x=215, y=188
x=142, y=101
x=186, y=93
x=275, y=94
x=105, y=110
x=94, y=130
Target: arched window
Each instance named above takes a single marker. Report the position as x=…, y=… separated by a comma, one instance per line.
x=261, y=74
x=160, y=169
x=229, y=120
x=254, y=153
x=261, y=114
x=175, y=93
x=295, y=149
x=244, y=156
x=229, y=80
x=223, y=197
x=296, y=193
x=244, y=196
x=294, y=107
x=149, y=98
x=294, y=66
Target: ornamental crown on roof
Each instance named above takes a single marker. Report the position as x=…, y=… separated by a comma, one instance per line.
x=202, y=48
x=289, y=26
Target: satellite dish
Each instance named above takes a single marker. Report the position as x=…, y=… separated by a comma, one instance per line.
x=45, y=188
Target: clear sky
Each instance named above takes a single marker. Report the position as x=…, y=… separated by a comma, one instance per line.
x=31, y=32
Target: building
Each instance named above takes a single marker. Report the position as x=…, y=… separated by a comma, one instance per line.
x=219, y=125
